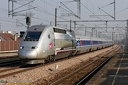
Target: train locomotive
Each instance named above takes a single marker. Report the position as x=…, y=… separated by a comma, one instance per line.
x=43, y=43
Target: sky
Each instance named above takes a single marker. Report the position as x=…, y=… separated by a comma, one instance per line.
x=43, y=12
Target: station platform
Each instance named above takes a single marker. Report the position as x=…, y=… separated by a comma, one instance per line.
x=115, y=72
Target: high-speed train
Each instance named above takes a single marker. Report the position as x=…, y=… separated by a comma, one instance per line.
x=43, y=43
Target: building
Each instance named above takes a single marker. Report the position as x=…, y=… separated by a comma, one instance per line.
x=8, y=41
x=8, y=36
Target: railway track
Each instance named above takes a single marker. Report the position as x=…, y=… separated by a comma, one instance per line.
x=89, y=75
x=86, y=78
x=8, y=66
x=10, y=63
x=69, y=78
x=106, y=77
x=15, y=70
x=86, y=70
x=14, y=67
x=8, y=57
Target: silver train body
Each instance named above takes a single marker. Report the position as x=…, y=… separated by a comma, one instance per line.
x=42, y=43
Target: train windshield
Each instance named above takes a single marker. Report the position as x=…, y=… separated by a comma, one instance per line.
x=32, y=36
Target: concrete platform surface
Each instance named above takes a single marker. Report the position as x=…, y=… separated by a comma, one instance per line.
x=115, y=72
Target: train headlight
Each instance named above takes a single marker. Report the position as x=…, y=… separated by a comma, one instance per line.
x=34, y=47
x=21, y=47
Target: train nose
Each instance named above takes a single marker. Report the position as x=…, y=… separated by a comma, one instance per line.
x=27, y=54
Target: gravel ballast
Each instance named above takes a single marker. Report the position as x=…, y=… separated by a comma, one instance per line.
x=48, y=73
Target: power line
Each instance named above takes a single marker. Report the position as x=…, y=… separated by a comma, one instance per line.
x=89, y=10
x=121, y=10
x=40, y=9
x=69, y=10
x=107, y=5
x=23, y=5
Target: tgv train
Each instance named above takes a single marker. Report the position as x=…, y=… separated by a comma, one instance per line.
x=42, y=43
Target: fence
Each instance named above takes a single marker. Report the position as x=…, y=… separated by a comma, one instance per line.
x=9, y=45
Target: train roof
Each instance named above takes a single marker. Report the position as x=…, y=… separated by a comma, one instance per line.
x=37, y=28
x=82, y=37
x=41, y=27
x=90, y=38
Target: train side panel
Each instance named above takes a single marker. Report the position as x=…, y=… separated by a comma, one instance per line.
x=64, y=43
x=43, y=43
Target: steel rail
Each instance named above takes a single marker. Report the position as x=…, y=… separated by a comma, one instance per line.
x=23, y=68
x=69, y=75
x=87, y=77
x=76, y=71
x=8, y=63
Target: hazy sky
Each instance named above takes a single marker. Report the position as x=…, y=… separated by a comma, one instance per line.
x=42, y=12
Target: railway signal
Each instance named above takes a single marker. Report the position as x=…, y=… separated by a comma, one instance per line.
x=28, y=21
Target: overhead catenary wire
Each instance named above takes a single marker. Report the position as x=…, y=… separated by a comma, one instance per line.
x=90, y=10
x=122, y=10
x=23, y=5
x=40, y=9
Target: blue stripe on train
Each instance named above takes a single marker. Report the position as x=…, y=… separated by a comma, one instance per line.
x=88, y=42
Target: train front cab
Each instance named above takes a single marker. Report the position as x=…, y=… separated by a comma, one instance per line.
x=35, y=44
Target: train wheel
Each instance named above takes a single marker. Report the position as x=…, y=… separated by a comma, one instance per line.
x=47, y=60
x=52, y=58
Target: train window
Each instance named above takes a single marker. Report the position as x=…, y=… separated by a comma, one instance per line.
x=100, y=42
x=95, y=42
x=49, y=36
x=83, y=42
x=86, y=42
x=32, y=36
x=59, y=30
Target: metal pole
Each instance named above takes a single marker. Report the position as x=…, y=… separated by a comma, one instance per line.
x=85, y=30
x=114, y=10
x=92, y=31
x=55, y=16
x=106, y=25
x=70, y=25
x=78, y=8
x=8, y=8
x=12, y=7
x=112, y=34
x=74, y=25
x=96, y=33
